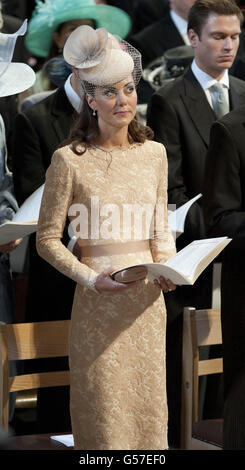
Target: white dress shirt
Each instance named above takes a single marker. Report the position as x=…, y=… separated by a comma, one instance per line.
x=72, y=96
x=206, y=82
x=181, y=26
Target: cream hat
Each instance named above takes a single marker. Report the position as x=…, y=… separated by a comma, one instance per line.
x=101, y=58
x=15, y=77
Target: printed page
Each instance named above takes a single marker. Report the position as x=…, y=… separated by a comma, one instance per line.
x=187, y=260
x=155, y=270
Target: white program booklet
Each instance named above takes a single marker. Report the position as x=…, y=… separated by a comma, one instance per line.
x=182, y=269
x=24, y=221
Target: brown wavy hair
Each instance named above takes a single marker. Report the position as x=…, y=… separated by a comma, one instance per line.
x=201, y=9
x=85, y=130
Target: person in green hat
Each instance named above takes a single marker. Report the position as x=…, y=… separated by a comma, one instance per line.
x=54, y=20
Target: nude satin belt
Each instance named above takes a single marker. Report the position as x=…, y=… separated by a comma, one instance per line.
x=110, y=249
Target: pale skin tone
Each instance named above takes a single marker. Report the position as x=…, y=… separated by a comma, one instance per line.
x=216, y=48
x=10, y=246
x=116, y=107
x=66, y=29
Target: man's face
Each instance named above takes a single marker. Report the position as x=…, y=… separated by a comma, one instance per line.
x=181, y=7
x=216, y=47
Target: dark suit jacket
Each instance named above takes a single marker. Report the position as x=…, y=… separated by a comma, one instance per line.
x=224, y=211
x=224, y=187
x=233, y=333
x=147, y=12
x=19, y=8
x=156, y=39
x=181, y=118
x=38, y=132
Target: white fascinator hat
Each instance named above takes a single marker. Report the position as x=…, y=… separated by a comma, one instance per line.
x=100, y=58
x=15, y=77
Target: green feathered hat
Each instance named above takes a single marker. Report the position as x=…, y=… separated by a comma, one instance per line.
x=49, y=14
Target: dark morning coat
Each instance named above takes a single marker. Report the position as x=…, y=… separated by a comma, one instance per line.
x=181, y=117
x=233, y=334
x=224, y=210
x=38, y=132
x=224, y=199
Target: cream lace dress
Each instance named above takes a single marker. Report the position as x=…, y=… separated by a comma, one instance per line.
x=117, y=341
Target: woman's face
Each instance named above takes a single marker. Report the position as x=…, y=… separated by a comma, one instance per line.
x=115, y=104
x=65, y=29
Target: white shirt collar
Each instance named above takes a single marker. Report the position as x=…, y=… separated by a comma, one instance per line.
x=180, y=24
x=205, y=80
x=72, y=96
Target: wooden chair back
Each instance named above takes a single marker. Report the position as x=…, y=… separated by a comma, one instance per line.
x=25, y=341
x=200, y=328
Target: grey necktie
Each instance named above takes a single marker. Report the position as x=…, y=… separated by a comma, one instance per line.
x=220, y=104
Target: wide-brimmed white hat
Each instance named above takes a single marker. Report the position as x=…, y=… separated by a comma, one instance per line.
x=15, y=77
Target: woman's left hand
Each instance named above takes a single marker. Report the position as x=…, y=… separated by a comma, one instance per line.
x=165, y=284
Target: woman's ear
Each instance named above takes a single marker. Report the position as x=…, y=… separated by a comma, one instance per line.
x=91, y=102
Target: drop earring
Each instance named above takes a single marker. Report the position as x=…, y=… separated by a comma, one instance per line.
x=94, y=112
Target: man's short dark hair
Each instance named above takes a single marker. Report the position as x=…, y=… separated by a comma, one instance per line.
x=201, y=9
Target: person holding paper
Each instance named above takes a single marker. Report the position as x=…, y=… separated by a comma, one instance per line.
x=117, y=336
x=181, y=115
x=224, y=212
x=233, y=334
x=224, y=189
x=15, y=77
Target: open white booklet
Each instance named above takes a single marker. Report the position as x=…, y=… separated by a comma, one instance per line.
x=182, y=269
x=24, y=221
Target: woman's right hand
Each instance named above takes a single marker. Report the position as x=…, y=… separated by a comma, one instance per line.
x=105, y=283
x=10, y=246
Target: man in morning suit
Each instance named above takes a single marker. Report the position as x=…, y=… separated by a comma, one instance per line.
x=224, y=183
x=224, y=213
x=39, y=130
x=181, y=114
x=233, y=334
x=147, y=12
x=170, y=31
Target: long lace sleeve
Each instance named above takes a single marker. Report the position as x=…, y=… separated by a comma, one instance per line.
x=57, y=198
x=162, y=242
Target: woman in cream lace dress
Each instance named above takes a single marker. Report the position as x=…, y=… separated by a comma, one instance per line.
x=117, y=337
